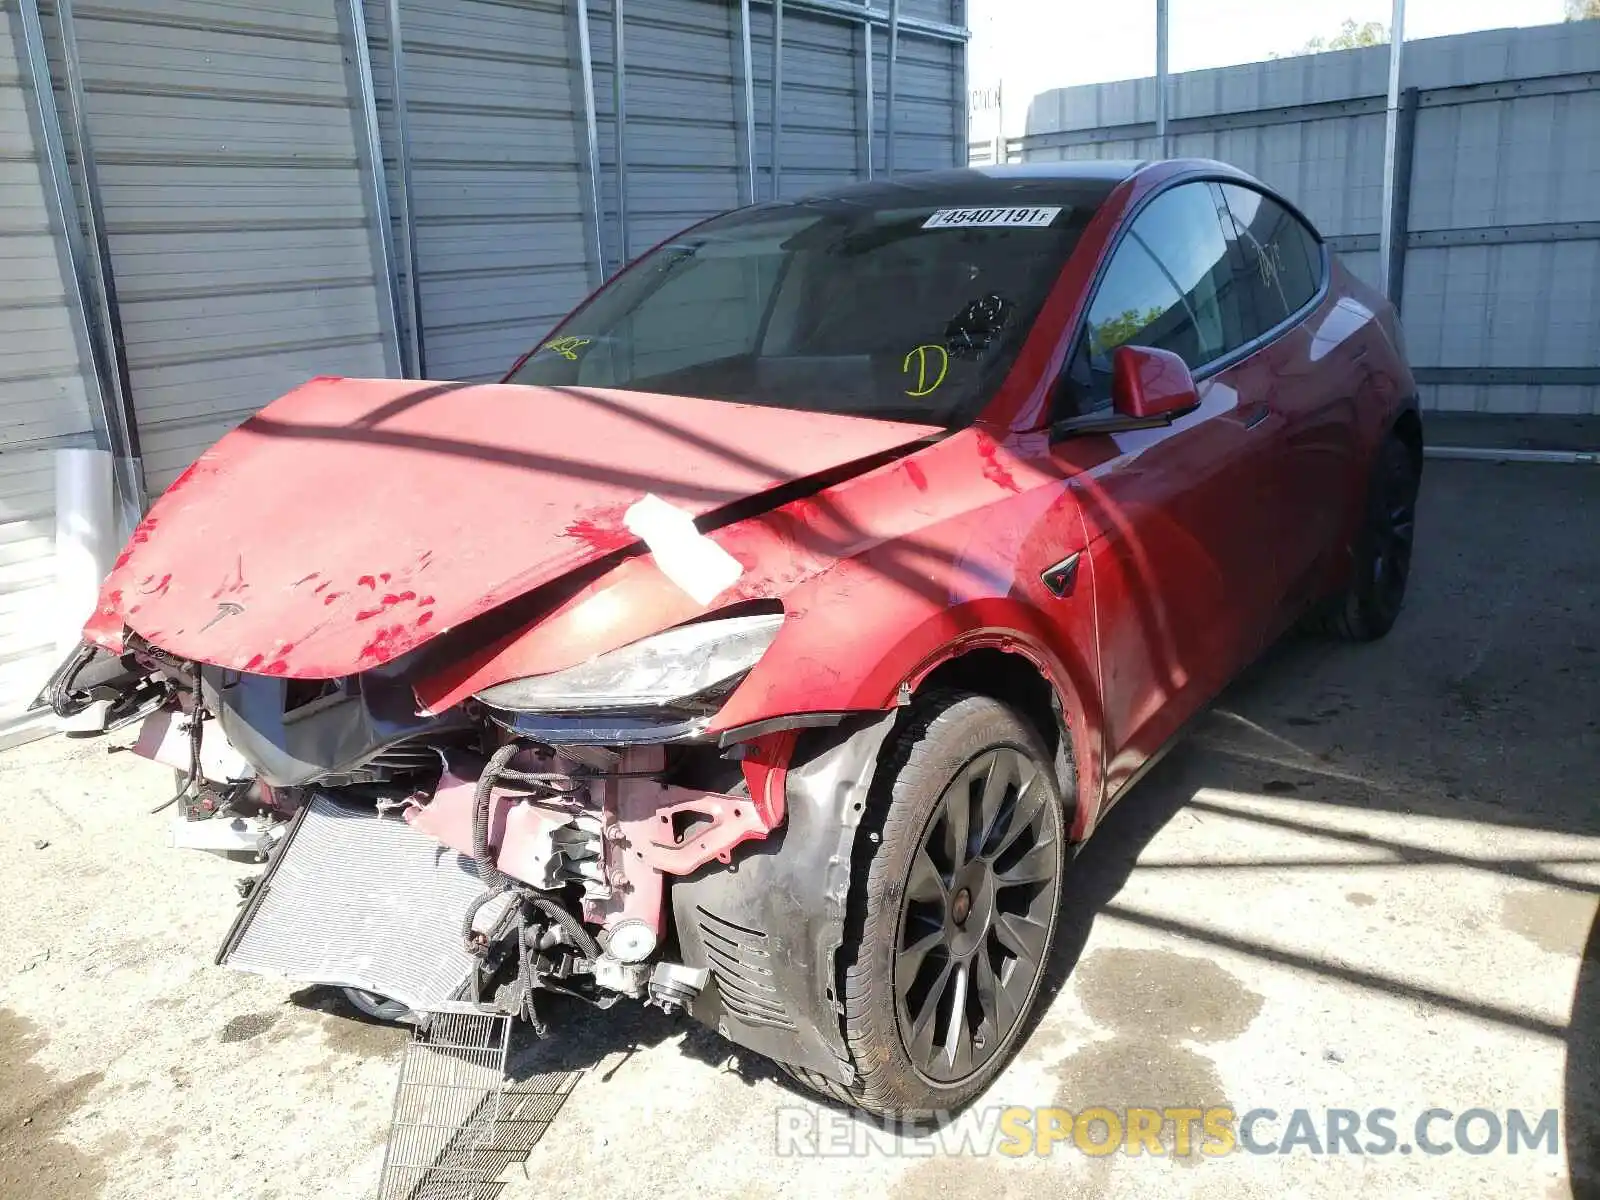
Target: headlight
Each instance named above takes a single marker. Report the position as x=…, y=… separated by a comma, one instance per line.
x=667, y=669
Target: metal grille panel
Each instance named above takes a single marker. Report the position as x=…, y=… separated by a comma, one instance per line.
x=446, y=1108
x=459, y=1121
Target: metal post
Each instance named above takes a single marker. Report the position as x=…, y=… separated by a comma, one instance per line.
x=869, y=96
x=889, y=88
x=1161, y=77
x=1399, y=208
x=355, y=22
x=964, y=105
x=88, y=269
x=619, y=108
x=749, y=64
x=591, y=135
x=1391, y=147
x=408, y=222
x=1000, y=154
x=777, y=98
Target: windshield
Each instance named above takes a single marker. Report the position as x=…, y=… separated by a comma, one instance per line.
x=907, y=310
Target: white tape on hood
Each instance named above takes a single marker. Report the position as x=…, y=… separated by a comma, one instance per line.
x=685, y=555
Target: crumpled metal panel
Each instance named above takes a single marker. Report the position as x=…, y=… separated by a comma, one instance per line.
x=366, y=516
x=356, y=899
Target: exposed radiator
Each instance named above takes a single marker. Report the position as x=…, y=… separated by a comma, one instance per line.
x=355, y=899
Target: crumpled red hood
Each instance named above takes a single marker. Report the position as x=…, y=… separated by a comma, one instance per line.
x=354, y=519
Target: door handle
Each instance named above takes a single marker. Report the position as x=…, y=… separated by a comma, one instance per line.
x=1257, y=415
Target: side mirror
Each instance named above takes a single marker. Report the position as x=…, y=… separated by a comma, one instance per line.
x=1151, y=385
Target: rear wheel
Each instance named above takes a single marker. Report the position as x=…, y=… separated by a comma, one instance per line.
x=954, y=912
x=1366, y=609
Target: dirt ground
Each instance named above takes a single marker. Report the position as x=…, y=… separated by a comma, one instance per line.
x=1367, y=880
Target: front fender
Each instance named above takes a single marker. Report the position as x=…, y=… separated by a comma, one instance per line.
x=850, y=656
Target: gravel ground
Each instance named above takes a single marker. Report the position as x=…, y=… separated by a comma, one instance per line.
x=1367, y=880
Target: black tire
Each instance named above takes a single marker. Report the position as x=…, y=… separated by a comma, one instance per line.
x=961, y=941
x=379, y=1008
x=1369, y=604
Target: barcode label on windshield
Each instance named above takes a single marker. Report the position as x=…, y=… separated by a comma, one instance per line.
x=949, y=218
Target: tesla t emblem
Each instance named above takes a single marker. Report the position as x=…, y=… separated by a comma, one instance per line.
x=226, y=609
x=1060, y=578
x=931, y=364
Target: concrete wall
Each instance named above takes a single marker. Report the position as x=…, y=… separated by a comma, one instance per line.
x=1501, y=296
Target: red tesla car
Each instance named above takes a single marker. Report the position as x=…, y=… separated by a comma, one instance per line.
x=763, y=643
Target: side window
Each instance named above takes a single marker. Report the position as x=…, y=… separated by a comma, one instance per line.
x=1283, y=262
x=1169, y=285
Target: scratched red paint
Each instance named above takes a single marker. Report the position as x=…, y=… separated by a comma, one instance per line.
x=533, y=484
x=387, y=644
x=602, y=529
x=993, y=470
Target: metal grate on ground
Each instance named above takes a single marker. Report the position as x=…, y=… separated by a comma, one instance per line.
x=459, y=1122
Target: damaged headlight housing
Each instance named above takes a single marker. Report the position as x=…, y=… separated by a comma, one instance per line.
x=669, y=670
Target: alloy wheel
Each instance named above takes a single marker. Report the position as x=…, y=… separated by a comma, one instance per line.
x=976, y=916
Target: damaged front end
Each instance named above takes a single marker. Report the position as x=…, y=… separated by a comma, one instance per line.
x=577, y=833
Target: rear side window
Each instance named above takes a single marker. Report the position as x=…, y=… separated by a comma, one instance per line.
x=1282, y=258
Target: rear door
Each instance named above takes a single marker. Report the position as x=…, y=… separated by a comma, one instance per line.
x=1302, y=374
x=1177, y=517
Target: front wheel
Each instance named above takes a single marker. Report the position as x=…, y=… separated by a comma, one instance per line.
x=379, y=1008
x=954, y=910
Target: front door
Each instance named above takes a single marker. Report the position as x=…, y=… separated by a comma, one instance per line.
x=1178, y=518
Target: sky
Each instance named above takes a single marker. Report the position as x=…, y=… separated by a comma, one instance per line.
x=1030, y=46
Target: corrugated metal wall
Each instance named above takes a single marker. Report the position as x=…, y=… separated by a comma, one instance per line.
x=1500, y=302
x=44, y=382
x=928, y=90
x=684, y=143
x=224, y=141
x=258, y=203
x=500, y=198
x=496, y=139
